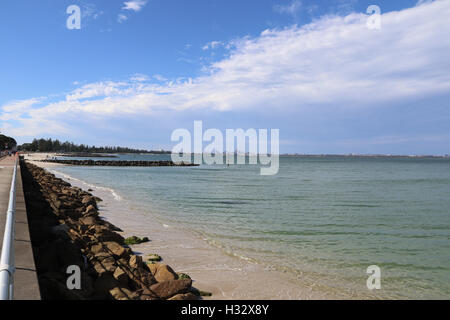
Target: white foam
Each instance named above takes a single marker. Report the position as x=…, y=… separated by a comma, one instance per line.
x=92, y=186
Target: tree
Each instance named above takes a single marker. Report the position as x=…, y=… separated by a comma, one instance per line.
x=49, y=145
x=7, y=143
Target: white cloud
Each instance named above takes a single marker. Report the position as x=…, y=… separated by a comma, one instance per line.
x=291, y=8
x=121, y=18
x=212, y=45
x=99, y=89
x=14, y=109
x=134, y=5
x=335, y=62
x=159, y=78
x=138, y=77
x=89, y=10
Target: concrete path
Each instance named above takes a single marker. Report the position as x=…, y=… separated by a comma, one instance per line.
x=26, y=286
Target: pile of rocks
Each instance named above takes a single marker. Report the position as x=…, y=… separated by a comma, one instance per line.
x=66, y=230
x=121, y=163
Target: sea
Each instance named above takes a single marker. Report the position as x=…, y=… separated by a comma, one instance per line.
x=321, y=219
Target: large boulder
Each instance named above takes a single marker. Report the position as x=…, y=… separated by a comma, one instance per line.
x=162, y=272
x=116, y=249
x=167, y=289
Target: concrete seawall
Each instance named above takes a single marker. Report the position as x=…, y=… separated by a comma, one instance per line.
x=26, y=285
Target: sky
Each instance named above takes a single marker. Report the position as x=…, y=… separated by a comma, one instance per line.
x=316, y=70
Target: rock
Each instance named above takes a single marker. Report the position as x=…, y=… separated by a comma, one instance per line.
x=110, y=225
x=59, y=228
x=135, y=240
x=116, y=249
x=162, y=272
x=154, y=257
x=140, y=278
x=61, y=231
x=90, y=209
x=184, y=296
x=147, y=278
x=167, y=289
x=146, y=294
x=89, y=200
x=108, y=264
x=102, y=255
x=135, y=261
x=89, y=221
x=104, y=283
x=96, y=248
x=121, y=276
x=183, y=276
x=69, y=231
x=200, y=293
x=103, y=234
x=120, y=293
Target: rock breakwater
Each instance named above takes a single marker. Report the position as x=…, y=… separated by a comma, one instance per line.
x=66, y=230
x=121, y=163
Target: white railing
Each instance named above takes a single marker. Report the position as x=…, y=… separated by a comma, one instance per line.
x=7, y=268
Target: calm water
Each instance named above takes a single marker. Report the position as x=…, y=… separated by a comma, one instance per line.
x=323, y=219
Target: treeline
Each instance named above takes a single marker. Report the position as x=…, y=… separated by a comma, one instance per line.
x=49, y=145
x=6, y=143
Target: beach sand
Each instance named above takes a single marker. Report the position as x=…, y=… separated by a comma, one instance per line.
x=212, y=269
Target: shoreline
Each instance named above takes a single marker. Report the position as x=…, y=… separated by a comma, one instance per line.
x=213, y=270
x=69, y=237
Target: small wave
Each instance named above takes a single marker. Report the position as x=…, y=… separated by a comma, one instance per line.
x=112, y=191
x=228, y=250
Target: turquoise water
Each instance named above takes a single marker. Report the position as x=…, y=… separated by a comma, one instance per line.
x=323, y=219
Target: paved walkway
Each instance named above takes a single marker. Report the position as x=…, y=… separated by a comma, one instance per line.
x=25, y=280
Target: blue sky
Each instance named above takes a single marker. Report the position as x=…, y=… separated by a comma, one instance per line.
x=137, y=70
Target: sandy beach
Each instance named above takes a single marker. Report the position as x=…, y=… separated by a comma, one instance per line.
x=212, y=269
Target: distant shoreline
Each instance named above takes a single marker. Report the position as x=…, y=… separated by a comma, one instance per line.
x=350, y=155
x=366, y=156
